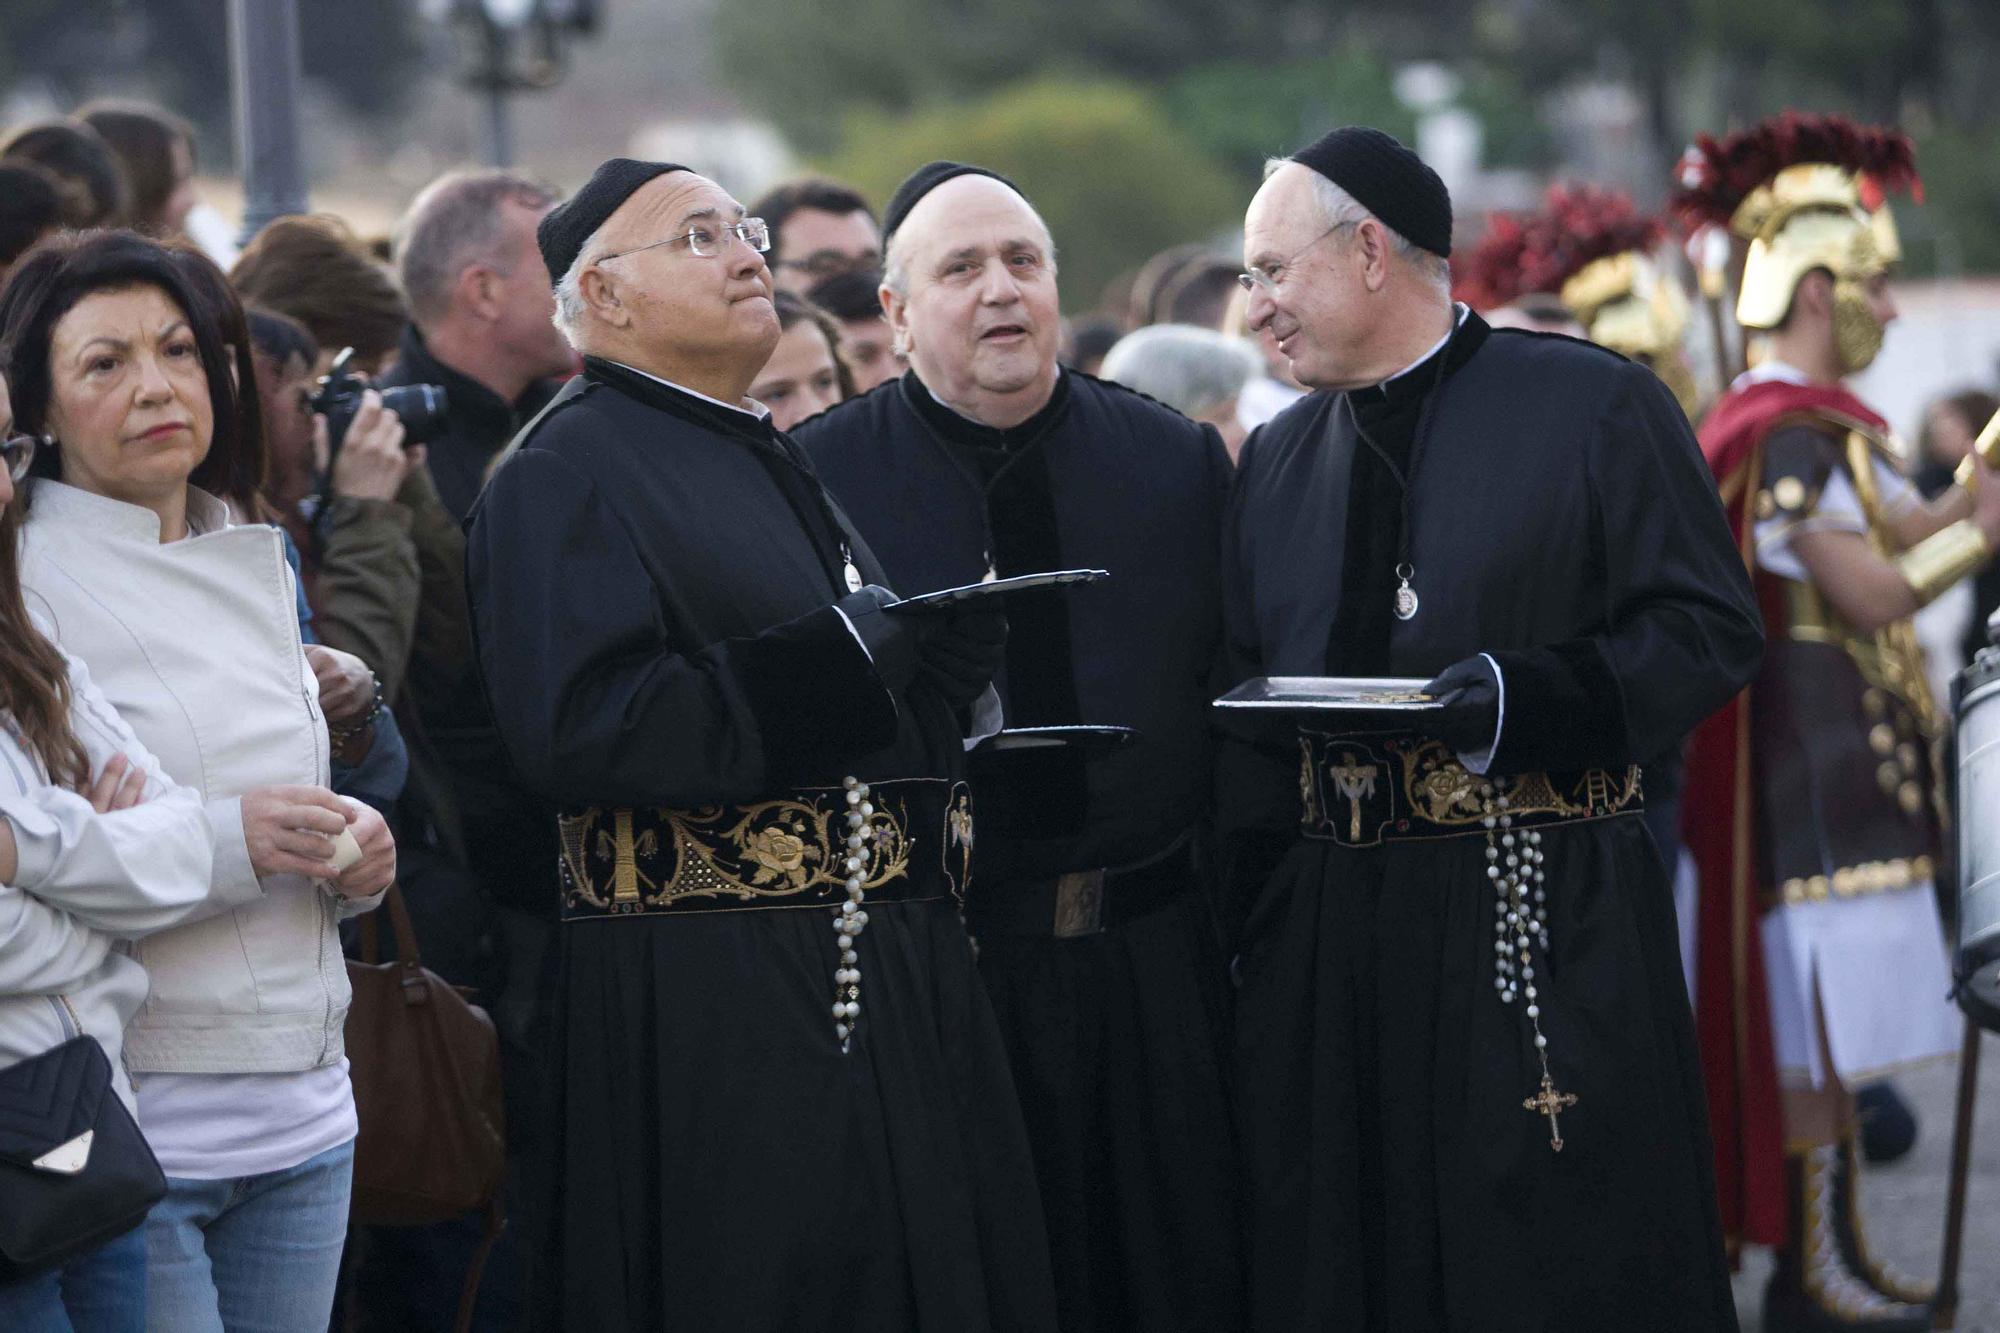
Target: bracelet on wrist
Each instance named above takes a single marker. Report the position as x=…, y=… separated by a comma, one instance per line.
x=340, y=736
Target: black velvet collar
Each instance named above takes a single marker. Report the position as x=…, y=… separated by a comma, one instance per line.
x=1414, y=384
x=985, y=448
x=670, y=398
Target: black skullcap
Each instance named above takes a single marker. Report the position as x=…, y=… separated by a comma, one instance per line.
x=565, y=228
x=920, y=183
x=1388, y=180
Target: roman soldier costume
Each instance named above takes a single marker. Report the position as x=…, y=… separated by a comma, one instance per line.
x=1813, y=805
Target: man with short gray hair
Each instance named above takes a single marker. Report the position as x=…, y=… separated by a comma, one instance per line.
x=1465, y=1068
x=783, y=1102
x=480, y=317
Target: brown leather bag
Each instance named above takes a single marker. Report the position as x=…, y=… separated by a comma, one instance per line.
x=426, y=1071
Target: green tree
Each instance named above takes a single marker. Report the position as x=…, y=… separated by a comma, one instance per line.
x=1245, y=111
x=801, y=63
x=1106, y=169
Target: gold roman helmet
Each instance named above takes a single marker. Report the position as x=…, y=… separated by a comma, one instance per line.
x=1630, y=304
x=1806, y=217
x=1805, y=192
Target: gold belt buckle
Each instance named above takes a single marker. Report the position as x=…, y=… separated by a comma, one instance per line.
x=1079, y=904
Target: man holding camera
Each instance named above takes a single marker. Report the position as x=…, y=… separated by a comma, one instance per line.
x=783, y=1100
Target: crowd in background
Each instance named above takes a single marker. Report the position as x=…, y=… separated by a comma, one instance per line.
x=204, y=863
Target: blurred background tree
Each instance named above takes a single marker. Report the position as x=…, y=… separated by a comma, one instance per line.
x=1148, y=184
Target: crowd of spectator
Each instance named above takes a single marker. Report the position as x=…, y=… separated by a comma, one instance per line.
x=237, y=682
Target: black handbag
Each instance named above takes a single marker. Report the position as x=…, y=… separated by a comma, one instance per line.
x=75, y=1172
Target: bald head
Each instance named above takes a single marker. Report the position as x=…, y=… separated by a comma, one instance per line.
x=970, y=292
x=955, y=207
x=638, y=293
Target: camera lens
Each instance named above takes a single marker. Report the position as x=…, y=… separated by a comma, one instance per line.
x=420, y=407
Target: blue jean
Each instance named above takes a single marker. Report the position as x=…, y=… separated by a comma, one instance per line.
x=256, y=1254
x=103, y=1291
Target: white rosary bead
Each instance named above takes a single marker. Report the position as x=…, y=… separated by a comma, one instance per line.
x=1541, y=1042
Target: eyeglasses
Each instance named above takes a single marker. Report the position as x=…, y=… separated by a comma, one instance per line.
x=17, y=452
x=709, y=239
x=1269, y=276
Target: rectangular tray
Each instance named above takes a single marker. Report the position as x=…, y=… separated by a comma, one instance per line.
x=946, y=598
x=1330, y=694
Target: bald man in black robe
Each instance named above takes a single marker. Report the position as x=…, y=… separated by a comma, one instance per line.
x=1093, y=899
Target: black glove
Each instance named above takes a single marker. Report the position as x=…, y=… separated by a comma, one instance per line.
x=961, y=652
x=894, y=643
x=1469, y=713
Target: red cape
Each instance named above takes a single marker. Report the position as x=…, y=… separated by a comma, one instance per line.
x=1718, y=823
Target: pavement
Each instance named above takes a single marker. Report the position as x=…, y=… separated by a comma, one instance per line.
x=1902, y=1203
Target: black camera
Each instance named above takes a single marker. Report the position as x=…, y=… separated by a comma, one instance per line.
x=420, y=407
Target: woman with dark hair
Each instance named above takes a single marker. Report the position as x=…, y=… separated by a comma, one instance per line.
x=88, y=863
x=87, y=176
x=119, y=362
x=805, y=375
x=155, y=148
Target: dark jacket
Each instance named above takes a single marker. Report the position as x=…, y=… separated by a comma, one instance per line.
x=464, y=797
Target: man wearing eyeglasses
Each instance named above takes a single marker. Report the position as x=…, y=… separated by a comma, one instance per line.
x=1091, y=898
x=1465, y=1068
x=782, y=1099
x=818, y=228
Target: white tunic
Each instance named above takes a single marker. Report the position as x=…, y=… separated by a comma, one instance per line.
x=1873, y=965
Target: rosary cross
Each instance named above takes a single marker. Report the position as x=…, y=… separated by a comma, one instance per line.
x=1547, y=1102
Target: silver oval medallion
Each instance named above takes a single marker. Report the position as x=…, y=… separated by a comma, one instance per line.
x=854, y=579
x=1406, y=602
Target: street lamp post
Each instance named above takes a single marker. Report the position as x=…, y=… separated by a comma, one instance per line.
x=264, y=94
x=510, y=46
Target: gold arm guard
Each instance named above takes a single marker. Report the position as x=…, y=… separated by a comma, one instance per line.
x=1943, y=558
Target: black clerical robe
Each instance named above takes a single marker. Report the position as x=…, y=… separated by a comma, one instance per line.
x=651, y=579
x=1562, y=521
x=1116, y=1032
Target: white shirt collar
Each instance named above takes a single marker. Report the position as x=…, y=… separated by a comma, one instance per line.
x=1459, y=310
x=1768, y=370
x=749, y=407
x=56, y=501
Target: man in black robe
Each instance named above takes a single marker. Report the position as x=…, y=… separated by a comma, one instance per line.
x=783, y=1100
x=1093, y=901
x=1465, y=1072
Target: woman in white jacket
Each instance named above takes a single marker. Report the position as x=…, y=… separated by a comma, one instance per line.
x=188, y=625
x=86, y=864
